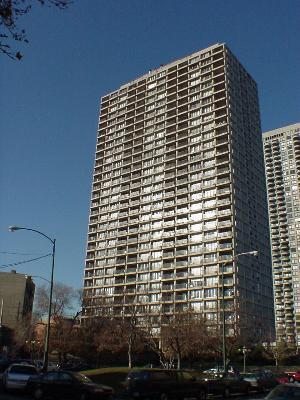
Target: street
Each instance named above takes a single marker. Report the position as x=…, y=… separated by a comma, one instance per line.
x=254, y=396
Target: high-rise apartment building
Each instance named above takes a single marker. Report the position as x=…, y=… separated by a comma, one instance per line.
x=282, y=160
x=179, y=190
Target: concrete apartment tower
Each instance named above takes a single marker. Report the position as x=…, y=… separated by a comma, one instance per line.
x=282, y=160
x=178, y=190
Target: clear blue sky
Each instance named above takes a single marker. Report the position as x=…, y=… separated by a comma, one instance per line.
x=49, y=101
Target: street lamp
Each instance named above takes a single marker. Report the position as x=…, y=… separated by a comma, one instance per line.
x=46, y=350
x=32, y=348
x=249, y=253
x=244, y=350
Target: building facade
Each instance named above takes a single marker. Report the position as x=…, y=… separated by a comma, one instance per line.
x=282, y=161
x=16, y=298
x=178, y=192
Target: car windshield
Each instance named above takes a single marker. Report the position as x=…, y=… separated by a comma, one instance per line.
x=285, y=393
x=23, y=369
x=82, y=378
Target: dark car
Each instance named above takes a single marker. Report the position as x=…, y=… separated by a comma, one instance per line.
x=226, y=384
x=261, y=381
x=161, y=384
x=67, y=385
x=285, y=392
x=73, y=366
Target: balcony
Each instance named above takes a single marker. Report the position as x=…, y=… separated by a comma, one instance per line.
x=167, y=287
x=179, y=286
x=168, y=276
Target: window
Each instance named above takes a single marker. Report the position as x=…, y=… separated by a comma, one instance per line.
x=196, y=294
x=196, y=227
x=196, y=238
x=198, y=270
x=156, y=254
x=63, y=376
x=211, y=281
x=155, y=275
x=155, y=296
x=210, y=292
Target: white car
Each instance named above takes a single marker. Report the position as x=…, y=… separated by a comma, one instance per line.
x=17, y=375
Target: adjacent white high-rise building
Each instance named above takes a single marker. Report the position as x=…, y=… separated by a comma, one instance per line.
x=179, y=190
x=282, y=160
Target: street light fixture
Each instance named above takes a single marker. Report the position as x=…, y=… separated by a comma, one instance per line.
x=53, y=241
x=249, y=253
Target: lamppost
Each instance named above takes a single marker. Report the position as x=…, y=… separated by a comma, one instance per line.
x=1, y=319
x=46, y=350
x=222, y=265
x=244, y=350
x=32, y=348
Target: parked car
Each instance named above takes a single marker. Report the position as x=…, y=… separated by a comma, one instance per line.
x=214, y=370
x=51, y=366
x=285, y=392
x=294, y=376
x=261, y=381
x=162, y=384
x=226, y=384
x=73, y=366
x=16, y=376
x=282, y=377
x=24, y=361
x=67, y=385
x=4, y=364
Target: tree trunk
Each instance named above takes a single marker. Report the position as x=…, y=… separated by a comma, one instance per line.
x=178, y=361
x=129, y=354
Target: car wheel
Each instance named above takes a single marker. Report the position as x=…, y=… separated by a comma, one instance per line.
x=38, y=393
x=202, y=395
x=226, y=393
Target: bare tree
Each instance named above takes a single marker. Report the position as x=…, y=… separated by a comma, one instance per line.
x=151, y=336
x=184, y=335
x=25, y=332
x=66, y=337
x=120, y=333
x=240, y=330
x=279, y=351
x=10, y=13
x=65, y=326
x=64, y=299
